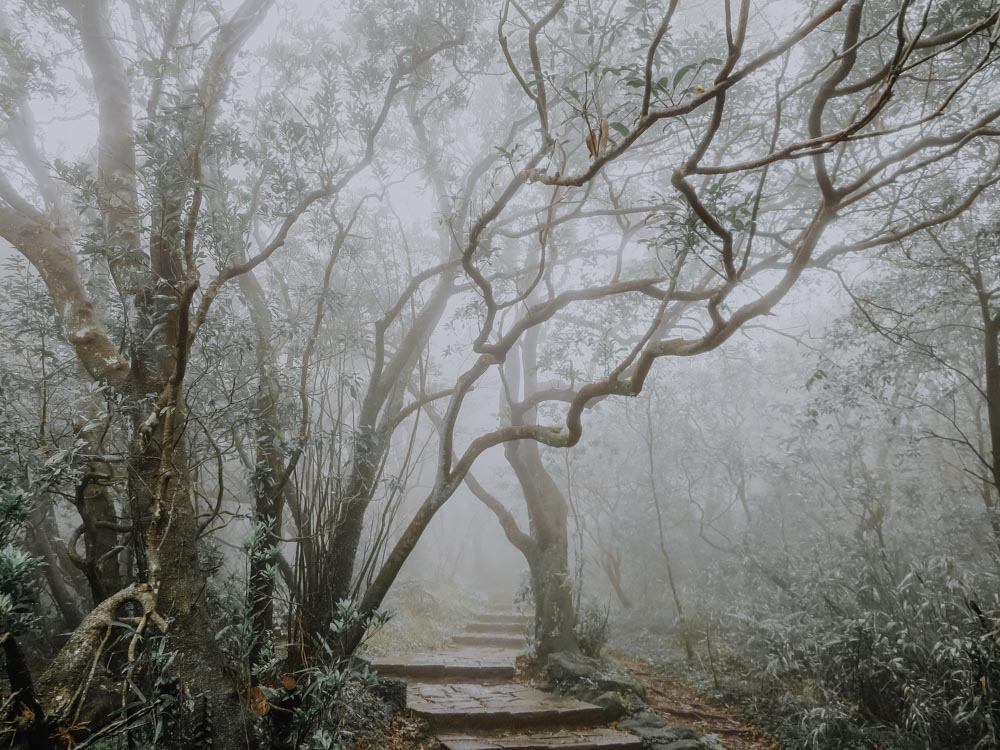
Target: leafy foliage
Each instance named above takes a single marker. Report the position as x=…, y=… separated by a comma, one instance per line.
x=321, y=717
x=914, y=657
x=593, y=628
x=17, y=566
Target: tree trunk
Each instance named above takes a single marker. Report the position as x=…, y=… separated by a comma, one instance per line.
x=675, y=595
x=176, y=575
x=267, y=529
x=36, y=731
x=991, y=357
x=551, y=580
x=333, y=554
x=611, y=565
x=341, y=550
x=43, y=541
x=175, y=593
x=661, y=536
x=100, y=534
x=382, y=403
x=548, y=517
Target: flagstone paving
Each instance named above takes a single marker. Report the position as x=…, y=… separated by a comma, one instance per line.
x=507, y=706
x=468, y=695
x=458, y=663
x=563, y=739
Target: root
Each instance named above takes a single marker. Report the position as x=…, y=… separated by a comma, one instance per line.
x=64, y=686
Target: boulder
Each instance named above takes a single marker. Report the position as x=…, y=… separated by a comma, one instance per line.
x=570, y=667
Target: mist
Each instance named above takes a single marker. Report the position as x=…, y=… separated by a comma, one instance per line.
x=464, y=374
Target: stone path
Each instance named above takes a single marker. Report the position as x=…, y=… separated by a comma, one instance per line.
x=467, y=693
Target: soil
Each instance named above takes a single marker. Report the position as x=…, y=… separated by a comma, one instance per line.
x=680, y=704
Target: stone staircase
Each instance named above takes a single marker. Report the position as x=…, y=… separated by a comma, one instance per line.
x=467, y=694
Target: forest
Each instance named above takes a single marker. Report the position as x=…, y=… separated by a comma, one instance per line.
x=500, y=374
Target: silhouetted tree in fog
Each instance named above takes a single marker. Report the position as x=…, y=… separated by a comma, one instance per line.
x=237, y=290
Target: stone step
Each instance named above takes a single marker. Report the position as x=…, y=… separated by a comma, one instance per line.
x=580, y=739
x=501, y=602
x=509, y=707
x=490, y=640
x=461, y=664
x=494, y=628
x=505, y=618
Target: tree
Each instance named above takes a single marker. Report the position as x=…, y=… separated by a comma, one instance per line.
x=211, y=181
x=152, y=238
x=935, y=302
x=739, y=240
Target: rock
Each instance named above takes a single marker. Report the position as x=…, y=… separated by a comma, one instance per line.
x=611, y=702
x=684, y=733
x=658, y=735
x=392, y=692
x=643, y=720
x=565, y=666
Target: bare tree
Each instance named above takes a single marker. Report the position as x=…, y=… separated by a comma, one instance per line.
x=779, y=155
x=835, y=161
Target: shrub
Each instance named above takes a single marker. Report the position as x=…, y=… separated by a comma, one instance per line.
x=593, y=628
x=917, y=659
x=325, y=697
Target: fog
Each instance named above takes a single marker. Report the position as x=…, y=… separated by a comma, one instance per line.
x=372, y=371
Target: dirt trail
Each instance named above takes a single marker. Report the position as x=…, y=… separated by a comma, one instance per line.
x=681, y=704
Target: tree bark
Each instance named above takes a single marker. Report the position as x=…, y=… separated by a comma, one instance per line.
x=32, y=719
x=176, y=575
x=611, y=565
x=548, y=518
x=384, y=397
x=991, y=361
x=100, y=534
x=43, y=541
x=551, y=581
x=267, y=473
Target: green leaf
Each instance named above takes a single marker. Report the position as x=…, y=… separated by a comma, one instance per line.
x=679, y=75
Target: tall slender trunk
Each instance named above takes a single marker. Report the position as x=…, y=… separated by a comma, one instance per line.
x=674, y=593
x=991, y=361
x=611, y=565
x=267, y=527
x=661, y=537
x=383, y=401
